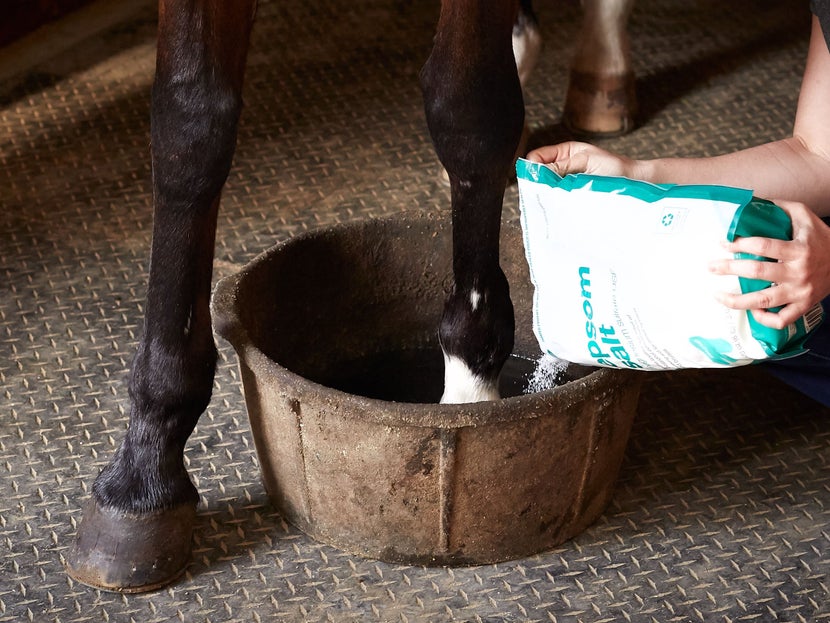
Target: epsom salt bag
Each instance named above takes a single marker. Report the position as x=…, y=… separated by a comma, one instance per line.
x=621, y=278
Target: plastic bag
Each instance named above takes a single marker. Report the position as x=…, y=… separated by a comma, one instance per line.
x=620, y=272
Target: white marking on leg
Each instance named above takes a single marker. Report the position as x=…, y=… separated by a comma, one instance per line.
x=475, y=297
x=462, y=386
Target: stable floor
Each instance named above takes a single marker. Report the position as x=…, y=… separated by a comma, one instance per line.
x=722, y=510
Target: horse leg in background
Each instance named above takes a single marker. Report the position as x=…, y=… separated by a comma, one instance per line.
x=136, y=531
x=475, y=113
x=601, y=98
x=527, y=45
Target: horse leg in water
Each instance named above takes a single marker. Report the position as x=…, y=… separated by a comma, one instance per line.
x=475, y=113
x=601, y=100
x=136, y=531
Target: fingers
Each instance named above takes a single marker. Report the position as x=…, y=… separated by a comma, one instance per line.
x=797, y=211
x=785, y=293
x=546, y=154
x=577, y=163
x=772, y=248
x=564, y=158
x=794, y=270
x=575, y=157
x=789, y=294
x=761, y=302
x=754, y=269
x=550, y=153
x=780, y=319
x=554, y=153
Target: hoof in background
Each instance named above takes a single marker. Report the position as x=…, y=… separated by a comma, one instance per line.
x=600, y=106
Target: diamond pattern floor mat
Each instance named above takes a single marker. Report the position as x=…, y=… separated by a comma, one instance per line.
x=722, y=510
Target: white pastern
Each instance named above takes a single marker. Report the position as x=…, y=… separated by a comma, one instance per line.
x=461, y=385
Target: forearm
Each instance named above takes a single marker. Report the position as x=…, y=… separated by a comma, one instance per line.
x=795, y=169
x=785, y=169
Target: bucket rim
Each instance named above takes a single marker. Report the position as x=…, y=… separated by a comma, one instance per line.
x=228, y=324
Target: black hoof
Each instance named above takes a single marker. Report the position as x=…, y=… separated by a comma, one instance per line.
x=130, y=553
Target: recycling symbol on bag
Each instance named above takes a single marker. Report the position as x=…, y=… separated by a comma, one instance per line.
x=671, y=220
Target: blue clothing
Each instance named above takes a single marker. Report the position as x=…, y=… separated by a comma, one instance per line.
x=809, y=373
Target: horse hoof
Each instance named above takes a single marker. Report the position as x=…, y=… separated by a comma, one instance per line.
x=130, y=553
x=600, y=106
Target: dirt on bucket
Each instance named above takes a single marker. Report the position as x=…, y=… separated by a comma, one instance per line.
x=336, y=336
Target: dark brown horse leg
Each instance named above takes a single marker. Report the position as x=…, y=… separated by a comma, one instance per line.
x=136, y=531
x=475, y=112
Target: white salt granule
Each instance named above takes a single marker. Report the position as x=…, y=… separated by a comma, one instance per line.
x=548, y=374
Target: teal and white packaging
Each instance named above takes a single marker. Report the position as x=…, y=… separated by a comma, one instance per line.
x=620, y=269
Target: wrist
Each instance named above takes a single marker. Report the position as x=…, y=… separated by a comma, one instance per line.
x=642, y=170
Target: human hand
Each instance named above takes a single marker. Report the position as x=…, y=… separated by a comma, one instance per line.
x=575, y=157
x=799, y=272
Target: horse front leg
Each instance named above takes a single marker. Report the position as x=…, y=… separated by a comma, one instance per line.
x=601, y=98
x=136, y=531
x=475, y=112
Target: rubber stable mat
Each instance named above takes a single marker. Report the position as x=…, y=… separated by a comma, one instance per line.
x=722, y=511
